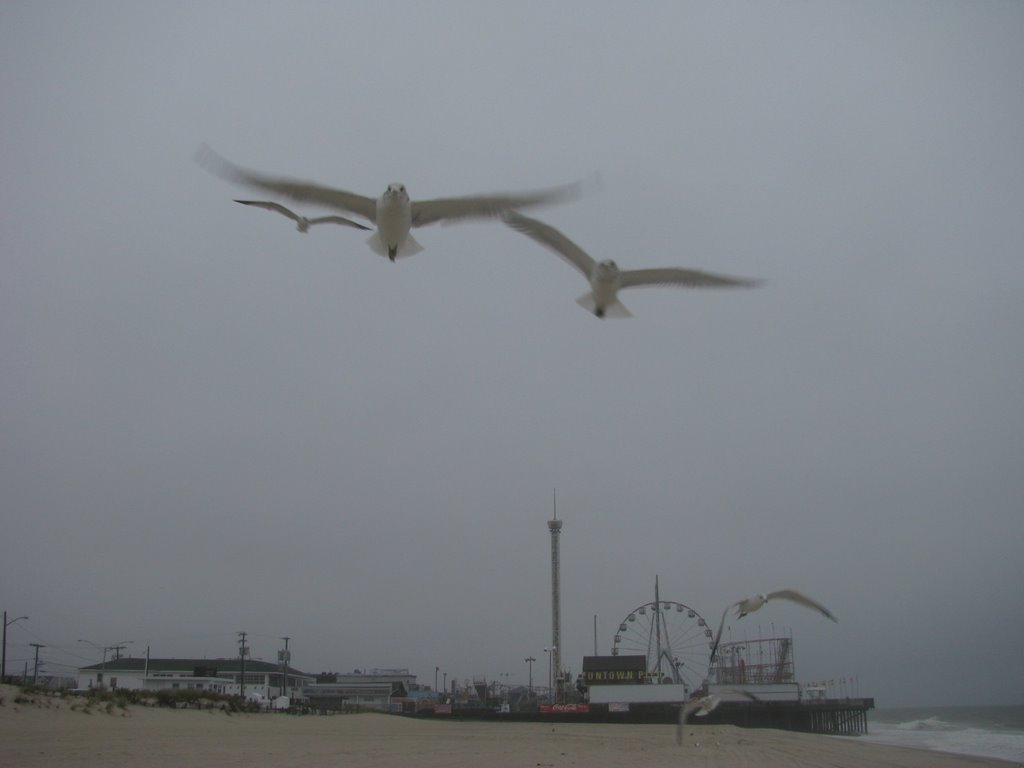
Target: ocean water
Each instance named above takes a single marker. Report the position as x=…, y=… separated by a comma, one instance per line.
x=979, y=731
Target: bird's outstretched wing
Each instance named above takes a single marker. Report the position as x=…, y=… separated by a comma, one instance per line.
x=701, y=706
x=551, y=238
x=688, y=708
x=718, y=634
x=338, y=220
x=802, y=599
x=452, y=209
x=689, y=278
x=271, y=207
x=709, y=704
x=295, y=189
x=742, y=692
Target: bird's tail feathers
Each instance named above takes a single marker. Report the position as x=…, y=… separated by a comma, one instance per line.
x=377, y=245
x=409, y=247
x=615, y=309
x=587, y=302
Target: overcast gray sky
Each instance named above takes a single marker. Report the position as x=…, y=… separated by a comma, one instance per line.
x=212, y=423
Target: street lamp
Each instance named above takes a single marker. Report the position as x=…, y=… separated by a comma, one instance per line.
x=3, y=658
x=529, y=664
x=103, y=648
x=436, y=670
x=551, y=683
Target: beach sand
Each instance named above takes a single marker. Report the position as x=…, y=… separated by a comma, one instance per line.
x=46, y=731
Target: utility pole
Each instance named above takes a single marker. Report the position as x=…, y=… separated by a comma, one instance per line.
x=35, y=668
x=551, y=681
x=285, y=661
x=242, y=651
x=3, y=659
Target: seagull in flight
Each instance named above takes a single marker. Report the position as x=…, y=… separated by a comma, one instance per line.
x=606, y=279
x=393, y=213
x=302, y=223
x=701, y=706
x=751, y=604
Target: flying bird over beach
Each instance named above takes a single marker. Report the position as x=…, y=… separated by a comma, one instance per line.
x=303, y=223
x=606, y=279
x=393, y=213
x=751, y=604
x=702, y=706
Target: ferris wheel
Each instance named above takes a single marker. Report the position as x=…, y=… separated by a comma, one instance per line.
x=675, y=639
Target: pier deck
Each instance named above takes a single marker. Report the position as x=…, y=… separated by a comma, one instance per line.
x=840, y=717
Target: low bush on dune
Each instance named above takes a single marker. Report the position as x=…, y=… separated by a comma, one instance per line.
x=109, y=701
x=193, y=699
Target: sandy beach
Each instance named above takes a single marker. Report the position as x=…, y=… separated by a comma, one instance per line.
x=50, y=731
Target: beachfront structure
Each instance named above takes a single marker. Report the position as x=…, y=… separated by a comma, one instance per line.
x=373, y=689
x=764, y=661
x=674, y=639
x=620, y=688
x=223, y=676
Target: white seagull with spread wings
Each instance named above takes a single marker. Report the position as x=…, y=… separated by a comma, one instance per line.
x=751, y=604
x=393, y=213
x=302, y=223
x=606, y=279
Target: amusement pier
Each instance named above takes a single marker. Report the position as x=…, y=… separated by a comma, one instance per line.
x=661, y=658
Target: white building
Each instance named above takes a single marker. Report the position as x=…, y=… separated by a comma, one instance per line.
x=222, y=676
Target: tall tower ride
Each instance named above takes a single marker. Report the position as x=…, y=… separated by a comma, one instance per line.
x=555, y=527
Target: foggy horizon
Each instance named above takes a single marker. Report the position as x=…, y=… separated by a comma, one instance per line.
x=213, y=423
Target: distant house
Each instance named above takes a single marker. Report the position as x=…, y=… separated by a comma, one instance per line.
x=215, y=675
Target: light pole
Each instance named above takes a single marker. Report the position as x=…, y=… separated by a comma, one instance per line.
x=436, y=670
x=445, y=681
x=529, y=665
x=286, y=659
x=103, y=648
x=551, y=683
x=3, y=659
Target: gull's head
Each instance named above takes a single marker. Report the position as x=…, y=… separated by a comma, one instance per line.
x=607, y=269
x=396, y=190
